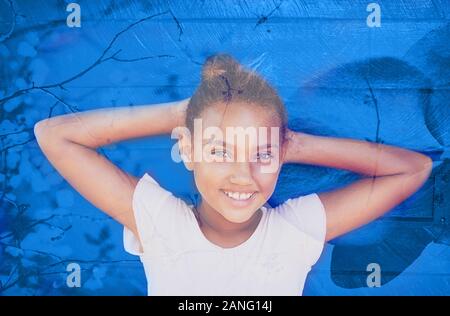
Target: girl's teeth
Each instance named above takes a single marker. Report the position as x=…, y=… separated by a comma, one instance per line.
x=239, y=196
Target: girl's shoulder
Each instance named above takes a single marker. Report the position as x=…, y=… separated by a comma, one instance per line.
x=306, y=213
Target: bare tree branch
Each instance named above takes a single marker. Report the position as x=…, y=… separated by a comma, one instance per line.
x=101, y=59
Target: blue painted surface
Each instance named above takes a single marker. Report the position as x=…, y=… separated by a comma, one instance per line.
x=329, y=67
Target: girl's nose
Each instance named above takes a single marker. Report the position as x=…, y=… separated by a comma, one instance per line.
x=242, y=174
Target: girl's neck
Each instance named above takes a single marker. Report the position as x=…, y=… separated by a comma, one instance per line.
x=223, y=232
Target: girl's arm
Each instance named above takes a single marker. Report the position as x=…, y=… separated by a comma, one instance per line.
x=70, y=141
x=395, y=174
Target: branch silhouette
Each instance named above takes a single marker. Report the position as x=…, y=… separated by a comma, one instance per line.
x=100, y=60
x=104, y=57
x=16, y=273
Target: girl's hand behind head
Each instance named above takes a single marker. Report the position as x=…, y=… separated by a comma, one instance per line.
x=184, y=104
x=179, y=111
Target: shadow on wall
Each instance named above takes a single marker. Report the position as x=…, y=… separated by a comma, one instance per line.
x=390, y=101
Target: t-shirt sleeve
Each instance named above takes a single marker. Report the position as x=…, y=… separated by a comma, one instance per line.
x=307, y=214
x=154, y=211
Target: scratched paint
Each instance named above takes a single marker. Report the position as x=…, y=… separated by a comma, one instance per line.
x=333, y=71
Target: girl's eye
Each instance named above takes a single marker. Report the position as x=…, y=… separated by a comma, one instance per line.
x=220, y=153
x=266, y=156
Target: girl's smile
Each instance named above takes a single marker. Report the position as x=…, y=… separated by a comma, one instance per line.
x=239, y=199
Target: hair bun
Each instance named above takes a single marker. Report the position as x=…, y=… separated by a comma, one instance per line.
x=217, y=65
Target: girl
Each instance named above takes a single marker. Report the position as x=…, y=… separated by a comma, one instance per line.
x=232, y=242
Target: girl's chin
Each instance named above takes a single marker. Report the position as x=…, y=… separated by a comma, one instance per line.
x=238, y=216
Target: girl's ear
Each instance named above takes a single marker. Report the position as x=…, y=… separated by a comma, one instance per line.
x=186, y=150
x=283, y=152
x=287, y=142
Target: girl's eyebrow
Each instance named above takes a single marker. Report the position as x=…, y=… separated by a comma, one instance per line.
x=268, y=146
x=224, y=144
x=212, y=140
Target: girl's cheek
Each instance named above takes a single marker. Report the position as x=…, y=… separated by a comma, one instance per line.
x=266, y=181
x=212, y=171
x=215, y=167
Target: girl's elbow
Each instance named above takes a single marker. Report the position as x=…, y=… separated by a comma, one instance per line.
x=420, y=164
x=426, y=166
x=39, y=130
x=44, y=133
x=422, y=171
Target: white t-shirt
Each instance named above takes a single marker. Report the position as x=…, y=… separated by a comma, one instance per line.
x=179, y=260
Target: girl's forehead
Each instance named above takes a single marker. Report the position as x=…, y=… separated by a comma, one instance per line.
x=239, y=125
x=239, y=115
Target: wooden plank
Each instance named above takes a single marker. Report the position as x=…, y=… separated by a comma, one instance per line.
x=288, y=55
x=40, y=11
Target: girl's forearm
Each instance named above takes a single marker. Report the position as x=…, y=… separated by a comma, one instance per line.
x=362, y=157
x=101, y=127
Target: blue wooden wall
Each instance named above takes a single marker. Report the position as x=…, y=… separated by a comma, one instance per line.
x=332, y=70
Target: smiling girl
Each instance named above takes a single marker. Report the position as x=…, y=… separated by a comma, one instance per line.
x=232, y=242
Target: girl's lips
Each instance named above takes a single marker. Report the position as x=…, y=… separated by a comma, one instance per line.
x=239, y=202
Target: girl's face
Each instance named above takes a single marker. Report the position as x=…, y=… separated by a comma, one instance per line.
x=241, y=157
